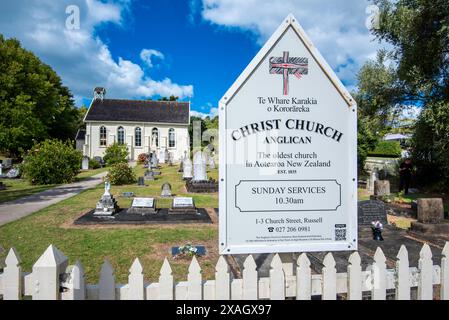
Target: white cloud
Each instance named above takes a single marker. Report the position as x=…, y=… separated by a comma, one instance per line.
x=213, y=112
x=81, y=58
x=337, y=28
x=146, y=55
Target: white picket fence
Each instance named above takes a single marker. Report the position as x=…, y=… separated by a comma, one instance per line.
x=53, y=279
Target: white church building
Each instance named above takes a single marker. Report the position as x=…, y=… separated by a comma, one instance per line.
x=143, y=125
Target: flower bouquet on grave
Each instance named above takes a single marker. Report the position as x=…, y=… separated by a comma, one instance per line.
x=377, y=227
x=186, y=251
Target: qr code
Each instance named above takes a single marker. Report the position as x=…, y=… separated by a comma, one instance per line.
x=340, y=232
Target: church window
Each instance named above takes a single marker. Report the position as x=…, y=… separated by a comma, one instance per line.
x=102, y=136
x=121, y=135
x=171, y=138
x=138, y=137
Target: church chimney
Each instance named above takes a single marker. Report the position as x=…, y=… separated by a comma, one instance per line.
x=99, y=93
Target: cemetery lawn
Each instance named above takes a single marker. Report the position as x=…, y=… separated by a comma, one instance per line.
x=120, y=244
x=19, y=188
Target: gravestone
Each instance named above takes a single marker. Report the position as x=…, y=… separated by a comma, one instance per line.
x=85, y=163
x=143, y=206
x=141, y=181
x=183, y=205
x=162, y=156
x=181, y=166
x=13, y=173
x=430, y=210
x=371, y=210
x=166, y=190
x=430, y=217
x=199, y=167
x=381, y=188
x=149, y=175
x=99, y=160
x=211, y=163
x=166, y=156
x=1, y=169
x=154, y=161
x=107, y=206
x=373, y=176
x=2, y=185
x=128, y=194
x=187, y=169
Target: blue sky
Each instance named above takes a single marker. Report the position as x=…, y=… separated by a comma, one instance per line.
x=194, y=49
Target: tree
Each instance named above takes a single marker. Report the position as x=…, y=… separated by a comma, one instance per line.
x=34, y=105
x=51, y=161
x=418, y=31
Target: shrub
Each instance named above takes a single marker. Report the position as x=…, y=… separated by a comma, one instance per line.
x=142, y=158
x=121, y=173
x=94, y=164
x=115, y=153
x=51, y=162
x=387, y=148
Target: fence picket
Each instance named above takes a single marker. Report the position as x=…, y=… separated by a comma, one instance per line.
x=222, y=280
x=402, y=275
x=425, y=265
x=106, y=286
x=277, y=279
x=194, y=280
x=135, y=281
x=379, y=276
x=166, y=284
x=329, y=278
x=250, y=279
x=50, y=274
x=303, y=278
x=444, y=291
x=12, y=276
x=354, y=277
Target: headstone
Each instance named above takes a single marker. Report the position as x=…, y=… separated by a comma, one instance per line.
x=430, y=210
x=128, y=194
x=166, y=190
x=143, y=206
x=211, y=163
x=13, y=173
x=1, y=169
x=141, y=181
x=162, y=156
x=371, y=210
x=154, y=161
x=373, y=176
x=183, y=205
x=2, y=185
x=149, y=175
x=166, y=156
x=107, y=206
x=187, y=169
x=199, y=167
x=85, y=163
x=181, y=166
x=381, y=188
x=99, y=160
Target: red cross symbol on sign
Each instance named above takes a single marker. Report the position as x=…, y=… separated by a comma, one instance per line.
x=285, y=65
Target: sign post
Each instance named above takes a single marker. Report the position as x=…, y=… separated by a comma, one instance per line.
x=288, y=153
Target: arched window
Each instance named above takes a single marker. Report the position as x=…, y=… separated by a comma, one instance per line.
x=138, y=137
x=155, y=137
x=103, y=140
x=121, y=135
x=171, y=138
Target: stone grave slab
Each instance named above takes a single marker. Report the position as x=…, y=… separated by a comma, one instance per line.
x=371, y=210
x=143, y=206
x=183, y=205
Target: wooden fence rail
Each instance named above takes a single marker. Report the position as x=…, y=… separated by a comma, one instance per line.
x=53, y=279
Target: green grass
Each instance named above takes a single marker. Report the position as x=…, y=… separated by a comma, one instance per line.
x=19, y=188
x=120, y=244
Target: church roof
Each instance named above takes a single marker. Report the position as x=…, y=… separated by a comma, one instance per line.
x=138, y=111
x=81, y=134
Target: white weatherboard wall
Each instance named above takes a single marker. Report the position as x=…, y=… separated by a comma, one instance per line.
x=93, y=148
x=271, y=199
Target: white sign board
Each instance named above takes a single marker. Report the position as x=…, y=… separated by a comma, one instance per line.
x=288, y=153
x=143, y=203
